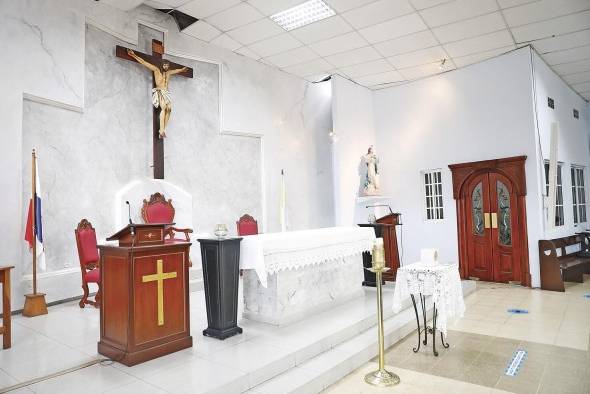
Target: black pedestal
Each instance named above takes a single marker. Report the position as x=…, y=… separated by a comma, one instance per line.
x=370, y=277
x=221, y=259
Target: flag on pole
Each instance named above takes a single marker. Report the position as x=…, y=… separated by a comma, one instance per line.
x=283, y=203
x=38, y=237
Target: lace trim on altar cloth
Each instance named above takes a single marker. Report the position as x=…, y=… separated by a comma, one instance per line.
x=441, y=281
x=282, y=260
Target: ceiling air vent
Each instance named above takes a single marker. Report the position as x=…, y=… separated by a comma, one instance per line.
x=550, y=103
x=576, y=114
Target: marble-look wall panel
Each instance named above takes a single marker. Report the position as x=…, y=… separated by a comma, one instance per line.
x=86, y=158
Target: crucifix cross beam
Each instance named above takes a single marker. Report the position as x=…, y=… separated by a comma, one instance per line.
x=162, y=70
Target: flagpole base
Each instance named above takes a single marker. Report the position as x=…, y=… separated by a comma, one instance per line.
x=35, y=305
x=382, y=378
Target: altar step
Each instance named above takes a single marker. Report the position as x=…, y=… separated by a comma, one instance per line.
x=351, y=349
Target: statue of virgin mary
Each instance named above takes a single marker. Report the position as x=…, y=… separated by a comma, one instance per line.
x=372, y=185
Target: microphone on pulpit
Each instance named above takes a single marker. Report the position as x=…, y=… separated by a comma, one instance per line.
x=380, y=205
x=129, y=216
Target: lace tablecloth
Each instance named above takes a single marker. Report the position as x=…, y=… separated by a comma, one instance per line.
x=441, y=281
x=274, y=252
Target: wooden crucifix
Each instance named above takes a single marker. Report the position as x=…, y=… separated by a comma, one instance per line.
x=162, y=70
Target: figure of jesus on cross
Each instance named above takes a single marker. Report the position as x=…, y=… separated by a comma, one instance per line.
x=160, y=94
x=162, y=70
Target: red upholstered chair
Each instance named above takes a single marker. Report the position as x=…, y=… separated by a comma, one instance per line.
x=89, y=260
x=160, y=210
x=247, y=225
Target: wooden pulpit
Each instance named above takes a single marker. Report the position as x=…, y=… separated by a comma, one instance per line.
x=385, y=228
x=144, y=312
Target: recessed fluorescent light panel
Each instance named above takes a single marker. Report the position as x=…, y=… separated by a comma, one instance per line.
x=303, y=14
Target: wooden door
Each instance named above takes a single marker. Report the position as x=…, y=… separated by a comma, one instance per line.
x=505, y=242
x=479, y=237
x=491, y=219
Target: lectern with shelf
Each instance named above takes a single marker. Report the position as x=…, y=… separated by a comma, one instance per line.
x=144, y=311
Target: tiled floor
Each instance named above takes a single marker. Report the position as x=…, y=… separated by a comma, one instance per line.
x=555, y=333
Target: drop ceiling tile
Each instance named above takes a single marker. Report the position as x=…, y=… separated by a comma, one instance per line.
x=514, y=3
x=424, y=70
x=204, y=8
x=356, y=56
x=248, y=52
x=338, y=44
x=271, y=7
x=409, y=43
x=416, y=58
x=421, y=4
x=377, y=12
x=543, y=10
x=322, y=30
x=572, y=68
x=582, y=87
x=420, y=57
x=567, y=56
x=277, y=44
x=548, y=28
x=314, y=67
x=227, y=42
x=456, y=11
x=374, y=67
x=202, y=30
x=394, y=28
x=463, y=61
x=345, y=5
x=294, y=56
x=577, y=78
x=565, y=41
x=479, y=44
x=236, y=16
x=470, y=27
x=381, y=78
x=259, y=30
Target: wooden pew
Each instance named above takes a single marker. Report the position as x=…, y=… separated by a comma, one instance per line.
x=5, y=328
x=557, y=268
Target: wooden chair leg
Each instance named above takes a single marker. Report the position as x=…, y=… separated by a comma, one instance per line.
x=84, y=299
x=97, y=297
x=6, y=341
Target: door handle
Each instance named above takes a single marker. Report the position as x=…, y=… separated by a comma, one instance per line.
x=494, y=220
x=486, y=220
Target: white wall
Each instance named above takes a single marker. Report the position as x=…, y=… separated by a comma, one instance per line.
x=353, y=117
x=44, y=58
x=480, y=112
x=573, y=141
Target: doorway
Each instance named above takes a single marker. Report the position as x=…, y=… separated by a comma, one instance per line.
x=491, y=220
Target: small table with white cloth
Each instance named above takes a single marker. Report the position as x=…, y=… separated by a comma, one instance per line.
x=289, y=275
x=443, y=283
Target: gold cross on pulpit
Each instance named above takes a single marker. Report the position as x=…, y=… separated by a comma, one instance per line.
x=159, y=276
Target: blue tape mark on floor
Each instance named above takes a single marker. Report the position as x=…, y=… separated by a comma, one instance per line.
x=516, y=362
x=587, y=295
x=516, y=311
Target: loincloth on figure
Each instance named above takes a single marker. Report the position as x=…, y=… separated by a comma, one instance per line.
x=161, y=97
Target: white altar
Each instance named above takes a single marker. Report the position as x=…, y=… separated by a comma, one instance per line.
x=290, y=275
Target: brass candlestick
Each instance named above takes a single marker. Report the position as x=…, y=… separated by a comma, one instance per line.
x=381, y=377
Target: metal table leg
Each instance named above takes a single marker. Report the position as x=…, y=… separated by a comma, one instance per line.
x=417, y=323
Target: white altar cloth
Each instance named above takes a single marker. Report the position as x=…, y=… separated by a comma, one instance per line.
x=441, y=281
x=270, y=253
